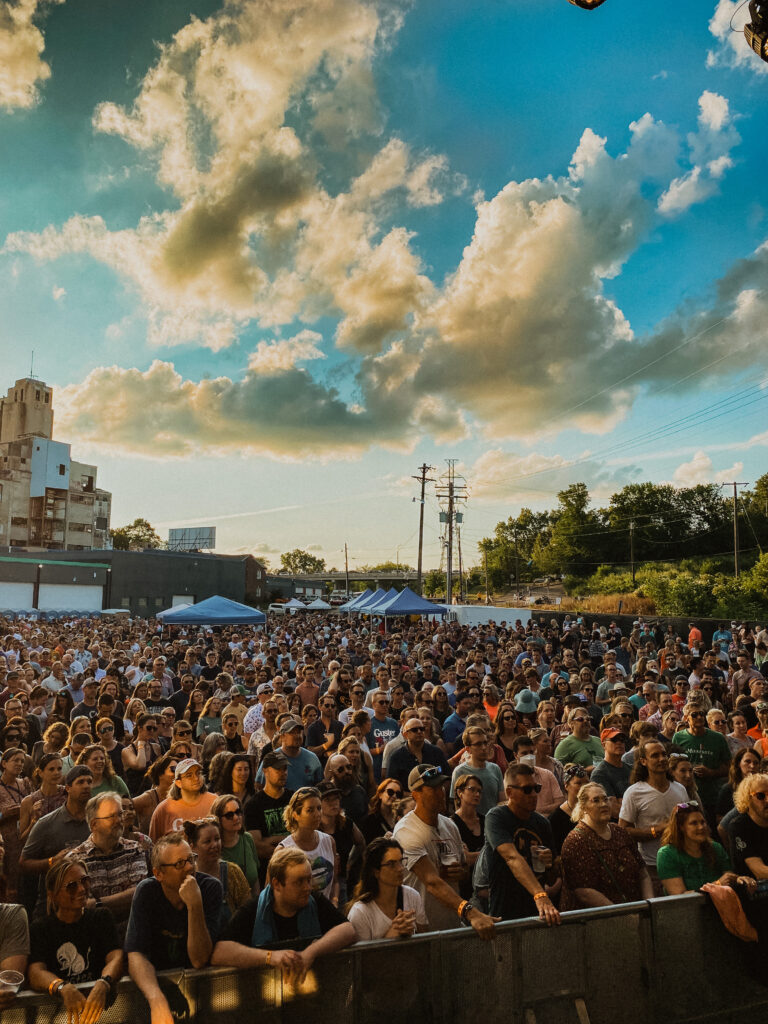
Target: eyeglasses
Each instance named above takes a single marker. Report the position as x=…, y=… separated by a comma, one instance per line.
x=416, y=728
x=151, y=728
x=433, y=772
x=117, y=816
x=83, y=883
x=579, y=719
x=533, y=787
x=229, y=815
x=719, y=721
x=393, y=792
x=105, y=729
x=180, y=864
x=696, y=714
x=598, y=800
x=394, y=863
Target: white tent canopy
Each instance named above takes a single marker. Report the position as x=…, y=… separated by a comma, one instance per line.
x=318, y=604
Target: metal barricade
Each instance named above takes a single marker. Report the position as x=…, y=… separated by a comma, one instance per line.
x=666, y=960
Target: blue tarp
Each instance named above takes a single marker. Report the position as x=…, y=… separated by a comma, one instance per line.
x=408, y=602
x=214, y=611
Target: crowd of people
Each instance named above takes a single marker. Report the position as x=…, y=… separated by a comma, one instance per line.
x=265, y=796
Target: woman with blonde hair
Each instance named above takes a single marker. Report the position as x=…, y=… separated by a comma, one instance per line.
x=601, y=863
x=302, y=818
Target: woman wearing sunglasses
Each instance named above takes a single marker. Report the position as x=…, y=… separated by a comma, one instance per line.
x=74, y=944
x=749, y=832
x=382, y=816
x=601, y=862
x=688, y=858
x=237, y=845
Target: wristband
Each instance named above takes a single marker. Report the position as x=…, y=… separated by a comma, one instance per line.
x=462, y=907
x=55, y=986
x=653, y=831
x=268, y=961
x=540, y=896
x=50, y=862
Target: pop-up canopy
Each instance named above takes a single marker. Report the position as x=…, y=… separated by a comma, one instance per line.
x=214, y=611
x=407, y=602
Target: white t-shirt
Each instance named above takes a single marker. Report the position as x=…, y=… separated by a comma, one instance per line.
x=644, y=806
x=371, y=922
x=418, y=839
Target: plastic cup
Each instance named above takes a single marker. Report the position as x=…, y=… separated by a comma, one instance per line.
x=11, y=981
x=537, y=864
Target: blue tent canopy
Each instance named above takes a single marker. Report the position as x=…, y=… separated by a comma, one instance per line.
x=214, y=611
x=375, y=603
x=407, y=602
x=355, y=601
x=374, y=597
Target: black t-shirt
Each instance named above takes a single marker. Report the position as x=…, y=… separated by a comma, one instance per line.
x=76, y=952
x=748, y=840
x=509, y=900
x=561, y=826
x=178, y=701
x=155, y=705
x=159, y=930
x=264, y=813
x=316, y=735
x=240, y=928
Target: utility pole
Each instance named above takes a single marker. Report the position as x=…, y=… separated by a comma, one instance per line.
x=346, y=570
x=735, y=484
x=423, y=480
x=485, y=566
x=632, y=548
x=461, y=568
x=450, y=494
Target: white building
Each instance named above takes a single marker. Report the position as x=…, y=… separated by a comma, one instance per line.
x=47, y=500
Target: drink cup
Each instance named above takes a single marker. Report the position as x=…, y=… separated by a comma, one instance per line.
x=537, y=864
x=11, y=981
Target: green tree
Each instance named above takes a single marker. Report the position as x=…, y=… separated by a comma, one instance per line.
x=137, y=535
x=298, y=561
x=387, y=567
x=575, y=535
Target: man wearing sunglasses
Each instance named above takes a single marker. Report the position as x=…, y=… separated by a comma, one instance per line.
x=174, y=920
x=415, y=751
x=581, y=747
x=434, y=855
x=520, y=845
x=708, y=752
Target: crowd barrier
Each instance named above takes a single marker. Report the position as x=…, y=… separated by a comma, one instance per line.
x=666, y=960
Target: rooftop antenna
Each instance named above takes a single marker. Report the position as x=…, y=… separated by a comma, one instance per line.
x=32, y=365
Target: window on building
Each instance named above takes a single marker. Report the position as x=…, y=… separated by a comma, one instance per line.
x=125, y=602
x=1, y=492
x=142, y=602
x=62, y=469
x=159, y=602
x=47, y=397
x=37, y=394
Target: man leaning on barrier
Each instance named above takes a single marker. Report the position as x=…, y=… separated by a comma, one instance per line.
x=286, y=910
x=434, y=855
x=174, y=920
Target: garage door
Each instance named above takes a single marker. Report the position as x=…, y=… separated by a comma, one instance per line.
x=69, y=596
x=16, y=596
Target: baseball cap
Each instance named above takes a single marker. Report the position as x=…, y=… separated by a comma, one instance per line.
x=761, y=705
x=425, y=775
x=328, y=788
x=289, y=725
x=76, y=772
x=612, y=734
x=274, y=759
x=619, y=686
x=183, y=767
x=240, y=689
x=263, y=688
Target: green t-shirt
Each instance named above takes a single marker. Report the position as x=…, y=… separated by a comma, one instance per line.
x=113, y=785
x=581, y=752
x=694, y=871
x=710, y=749
x=243, y=853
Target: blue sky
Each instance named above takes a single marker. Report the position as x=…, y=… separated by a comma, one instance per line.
x=275, y=254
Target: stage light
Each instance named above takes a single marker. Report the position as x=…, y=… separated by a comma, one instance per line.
x=586, y=5
x=756, y=30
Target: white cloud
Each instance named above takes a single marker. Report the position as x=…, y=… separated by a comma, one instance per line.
x=58, y=293
x=701, y=470
x=22, y=68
